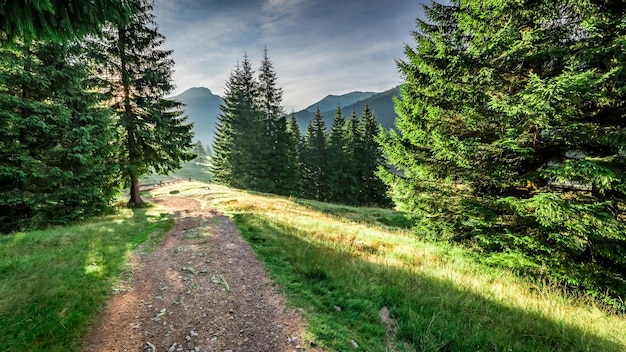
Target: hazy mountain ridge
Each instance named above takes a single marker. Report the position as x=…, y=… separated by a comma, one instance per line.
x=331, y=101
x=203, y=108
x=380, y=103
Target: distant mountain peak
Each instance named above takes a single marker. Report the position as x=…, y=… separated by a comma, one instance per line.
x=197, y=93
x=202, y=107
x=199, y=89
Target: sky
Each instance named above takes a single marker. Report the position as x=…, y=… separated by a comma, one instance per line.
x=317, y=47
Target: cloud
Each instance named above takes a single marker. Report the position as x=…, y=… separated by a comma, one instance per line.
x=318, y=47
x=283, y=7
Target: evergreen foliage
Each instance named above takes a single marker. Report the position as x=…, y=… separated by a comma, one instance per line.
x=200, y=152
x=341, y=181
x=294, y=183
x=55, y=139
x=154, y=135
x=254, y=147
x=240, y=134
x=315, y=160
x=283, y=163
x=222, y=168
x=282, y=167
x=354, y=133
x=341, y=166
x=60, y=19
x=510, y=129
x=258, y=148
x=368, y=158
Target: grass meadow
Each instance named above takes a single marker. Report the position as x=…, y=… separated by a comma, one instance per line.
x=196, y=171
x=363, y=279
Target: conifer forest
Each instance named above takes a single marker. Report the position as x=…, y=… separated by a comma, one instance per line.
x=509, y=139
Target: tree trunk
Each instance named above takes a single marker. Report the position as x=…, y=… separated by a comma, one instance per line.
x=135, y=195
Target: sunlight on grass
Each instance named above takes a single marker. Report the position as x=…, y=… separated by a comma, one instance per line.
x=54, y=281
x=194, y=170
x=442, y=300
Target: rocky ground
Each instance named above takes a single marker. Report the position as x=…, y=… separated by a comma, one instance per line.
x=201, y=289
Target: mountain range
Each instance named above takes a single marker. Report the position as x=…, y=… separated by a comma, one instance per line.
x=380, y=103
x=202, y=107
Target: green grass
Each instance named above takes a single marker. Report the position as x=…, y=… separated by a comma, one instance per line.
x=342, y=265
x=195, y=171
x=54, y=281
x=373, y=216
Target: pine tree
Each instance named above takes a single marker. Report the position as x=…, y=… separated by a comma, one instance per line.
x=294, y=179
x=253, y=168
x=283, y=160
x=200, y=152
x=253, y=148
x=354, y=149
x=239, y=137
x=55, y=141
x=314, y=158
x=373, y=189
x=307, y=167
x=275, y=137
x=340, y=179
x=512, y=114
x=154, y=135
x=435, y=144
x=222, y=170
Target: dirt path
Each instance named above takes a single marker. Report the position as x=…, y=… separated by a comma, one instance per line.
x=201, y=289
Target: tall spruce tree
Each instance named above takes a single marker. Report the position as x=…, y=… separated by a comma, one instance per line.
x=254, y=148
x=283, y=161
x=275, y=136
x=201, y=153
x=253, y=168
x=240, y=130
x=354, y=135
x=340, y=180
x=314, y=158
x=55, y=139
x=434, y=146
x=294, y=180
x=369, y=159
x=154, y=135
x=513, y=114
x=222, y=170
